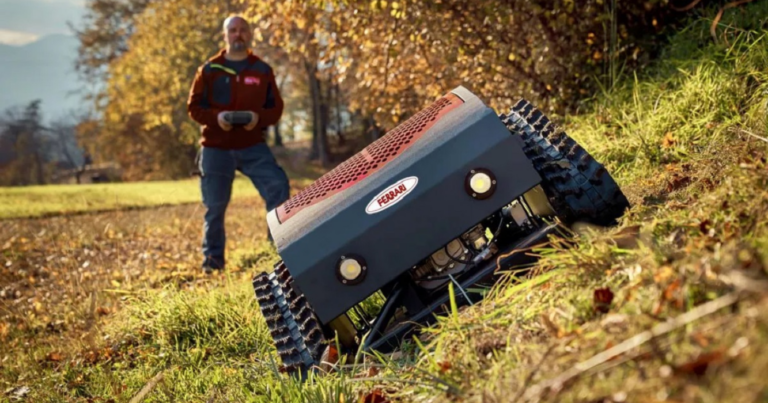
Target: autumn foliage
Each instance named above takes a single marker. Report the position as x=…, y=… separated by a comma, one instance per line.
x=359, y=66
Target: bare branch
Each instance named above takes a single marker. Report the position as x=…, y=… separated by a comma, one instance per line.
x=699, y=312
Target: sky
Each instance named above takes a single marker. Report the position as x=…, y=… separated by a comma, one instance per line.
x=24, y=21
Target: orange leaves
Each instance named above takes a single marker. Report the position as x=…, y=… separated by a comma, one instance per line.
x=663, y=274
x=375, y=396
x=668, y=141
x=673, y=293
x=700, y=364
x=677, y=177
x=54, y=357
x=602, y=299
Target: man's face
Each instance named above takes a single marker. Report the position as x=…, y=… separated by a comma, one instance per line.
x=237, y=35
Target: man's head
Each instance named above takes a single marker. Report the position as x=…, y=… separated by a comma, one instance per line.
x=237, y=34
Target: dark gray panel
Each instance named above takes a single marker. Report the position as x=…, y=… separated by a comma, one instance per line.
x=435, y=212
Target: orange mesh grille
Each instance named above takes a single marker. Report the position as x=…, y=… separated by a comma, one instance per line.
x=370, y=159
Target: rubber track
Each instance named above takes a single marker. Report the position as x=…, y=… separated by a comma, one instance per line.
x=292, y=323
x=580, y=188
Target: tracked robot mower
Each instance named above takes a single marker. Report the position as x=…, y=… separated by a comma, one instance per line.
x=435, y=201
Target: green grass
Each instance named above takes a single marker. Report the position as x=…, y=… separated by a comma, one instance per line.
x=35, y=201
x=685, y=142
x=53, y=200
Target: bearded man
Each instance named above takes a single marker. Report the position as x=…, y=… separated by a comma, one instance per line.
x=234, y=80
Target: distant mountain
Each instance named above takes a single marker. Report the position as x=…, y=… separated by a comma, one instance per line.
x=44, y=70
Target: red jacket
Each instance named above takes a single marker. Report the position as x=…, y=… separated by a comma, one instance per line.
x=217, y=88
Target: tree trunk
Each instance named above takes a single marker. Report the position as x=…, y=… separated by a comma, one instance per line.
x=374, y=131
x=324, y=120
x=278, y=137
x=39, y=169
x=319, y=138
x=339, y=132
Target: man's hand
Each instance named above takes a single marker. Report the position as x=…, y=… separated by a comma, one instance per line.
x=223, y=123
x=254, y=121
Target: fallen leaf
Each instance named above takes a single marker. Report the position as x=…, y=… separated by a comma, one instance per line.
x=375, y=397
x=700, y=365
x=627, y=237
x=700, y=339
x=602, y=299
x=665, y=272
x=19, y=392
x=704, y=226
x=551, y=326
x=668, y=141
x=669, y=292
x=54, y=357
x=669, y=295
x=677, y=181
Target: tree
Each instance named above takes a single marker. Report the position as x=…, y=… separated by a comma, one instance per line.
x=63, y=135
x=145, y=123
x=22, y=130
x=374, y=63
x=106, y=28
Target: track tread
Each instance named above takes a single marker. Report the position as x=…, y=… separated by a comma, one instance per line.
x=295, y=330
x=580, y=188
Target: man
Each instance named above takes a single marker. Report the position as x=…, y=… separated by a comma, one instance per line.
x=234, y=80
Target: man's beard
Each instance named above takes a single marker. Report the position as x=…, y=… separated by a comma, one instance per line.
x=238, y=46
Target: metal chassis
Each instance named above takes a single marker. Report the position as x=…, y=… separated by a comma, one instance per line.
x=403, y=293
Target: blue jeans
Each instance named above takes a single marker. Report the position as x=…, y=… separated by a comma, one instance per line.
x=217, y=170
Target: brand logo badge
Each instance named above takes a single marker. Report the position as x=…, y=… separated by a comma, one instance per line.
x=391, y=195
x=252, y=80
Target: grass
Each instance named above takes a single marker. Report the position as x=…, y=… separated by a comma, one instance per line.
x=92, y=308
x=35, y=201
x=52, y=200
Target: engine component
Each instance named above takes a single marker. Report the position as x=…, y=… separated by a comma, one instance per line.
x=476, y=237
x=450, y=259
x=517, y=212
x=448, y=255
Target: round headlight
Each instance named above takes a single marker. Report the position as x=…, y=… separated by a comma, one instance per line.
x=480, y=182
x=351, y=269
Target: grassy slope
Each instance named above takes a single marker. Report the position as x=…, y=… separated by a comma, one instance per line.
x=678, y=142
